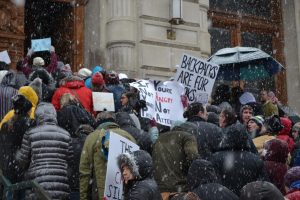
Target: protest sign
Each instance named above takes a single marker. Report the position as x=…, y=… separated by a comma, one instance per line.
x=163, y=100
x=113, y=182
x=198, y=77
x=4, y=57
x=41, y=44
x=103, y=101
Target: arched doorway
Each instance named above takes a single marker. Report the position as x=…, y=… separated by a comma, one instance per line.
x=62, y=20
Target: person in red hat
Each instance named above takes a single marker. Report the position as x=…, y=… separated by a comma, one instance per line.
x=98, y=83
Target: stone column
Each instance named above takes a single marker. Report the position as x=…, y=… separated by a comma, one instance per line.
x=204, y=36
x=121, y=36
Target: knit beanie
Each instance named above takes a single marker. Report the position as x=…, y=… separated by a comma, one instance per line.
x=292, y=175
x=259, y=120
x=38, y=61
x=247, y=97
x=97, y=79
x=84, y=73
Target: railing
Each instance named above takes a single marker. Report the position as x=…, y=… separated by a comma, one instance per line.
x=10, y=188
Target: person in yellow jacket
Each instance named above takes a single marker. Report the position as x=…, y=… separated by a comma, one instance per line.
x=29, y=93
x=93, y=162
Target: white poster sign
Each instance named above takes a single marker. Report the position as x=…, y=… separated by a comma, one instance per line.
x=113, y=182
x=41, y=44
x=163, y=100
x=198, y=76
x=4, y=57
x=103, y=101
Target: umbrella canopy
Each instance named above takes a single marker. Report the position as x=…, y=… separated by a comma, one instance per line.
x=245, y=63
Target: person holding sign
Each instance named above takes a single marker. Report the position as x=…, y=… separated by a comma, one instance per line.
x=39, y=62
x=137, y=173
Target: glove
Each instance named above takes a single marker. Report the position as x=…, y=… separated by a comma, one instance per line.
x=52, y=49
x=184, y=101
x=30, y=52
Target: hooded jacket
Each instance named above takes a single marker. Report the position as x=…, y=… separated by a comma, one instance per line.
x=75, y=86
x=7, y=91
x=275, y=162
x=284, y=134
x=173, y=153
x=143, y=186
x=126, y=123
x=234, y=163
x=30, y=95
x=203, y=181
x=260, y=190
x=93, y=164
x=45, y=148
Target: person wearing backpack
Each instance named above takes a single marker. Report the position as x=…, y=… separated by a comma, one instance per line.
x=93, y=160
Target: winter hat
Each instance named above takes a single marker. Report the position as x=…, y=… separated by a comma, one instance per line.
x=259, y=120
x=36, y=85
x=247, y=97
x=122, y=76
x=84, y=73
x=292, y=175
x=260, y=190
x=97, y=79
x=2, y=74
x=21, y=105
x=60, y=65
x=276, y=150
x=42, y=74
x=38, y=61
x=97, y=69
x=287, y=124
x=30, y=94
x=112, y=78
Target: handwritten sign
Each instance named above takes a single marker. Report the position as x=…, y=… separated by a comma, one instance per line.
x=114, y=183
x=103, y=101
x=4, y=57
x=198, y=77
x=163, y=100
x=41, y=44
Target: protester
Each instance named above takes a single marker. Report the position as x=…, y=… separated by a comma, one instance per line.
x=246, y=113
x=275, y=159
x=137, y=172
x=269, y=108
x=94, y=154
x=45, y=149
x=203, y=181
x=98, y=83
x=235, y=164
x=292, y=183
x=31, y=96
x=284, y=134
x=207, y=134
x=72, y=114
x=260, y=190
x=248, y=99
x=74, y=85
x=7, y=91
x=21, y=79
x=255, y=126
x=295, y=161
x=173, y=153
x=87, y=75
x=39, y=62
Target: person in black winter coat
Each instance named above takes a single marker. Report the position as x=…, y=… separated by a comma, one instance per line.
x=72, y=114
x=203, y=181
x=143, y=138
x=234, y=163
x=260, y=190
x=208, y=135
x=137, y=171
x=11, y=136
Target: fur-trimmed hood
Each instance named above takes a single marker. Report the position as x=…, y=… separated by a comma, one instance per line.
x=139, y=162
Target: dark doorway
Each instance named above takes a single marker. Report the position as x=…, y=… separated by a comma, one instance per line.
x=50, y=19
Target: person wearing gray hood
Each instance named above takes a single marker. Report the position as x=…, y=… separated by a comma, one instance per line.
x=45, y=149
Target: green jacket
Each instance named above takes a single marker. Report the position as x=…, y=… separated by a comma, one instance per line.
x=173, y=153
x=93, y=163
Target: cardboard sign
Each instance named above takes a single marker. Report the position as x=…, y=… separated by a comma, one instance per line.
x=41, y=44
x=103, y=101
x=4, y=57
x=198, y=77
x=114, y=182
x=163, y=100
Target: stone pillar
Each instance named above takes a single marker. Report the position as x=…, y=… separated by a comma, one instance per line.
x=204, y=36
x=121, y=35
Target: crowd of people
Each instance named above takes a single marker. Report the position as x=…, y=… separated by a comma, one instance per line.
x=235, y=147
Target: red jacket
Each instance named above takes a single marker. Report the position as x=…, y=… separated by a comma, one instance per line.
x=285, y=132
x=75, y=86
x=293, y=194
